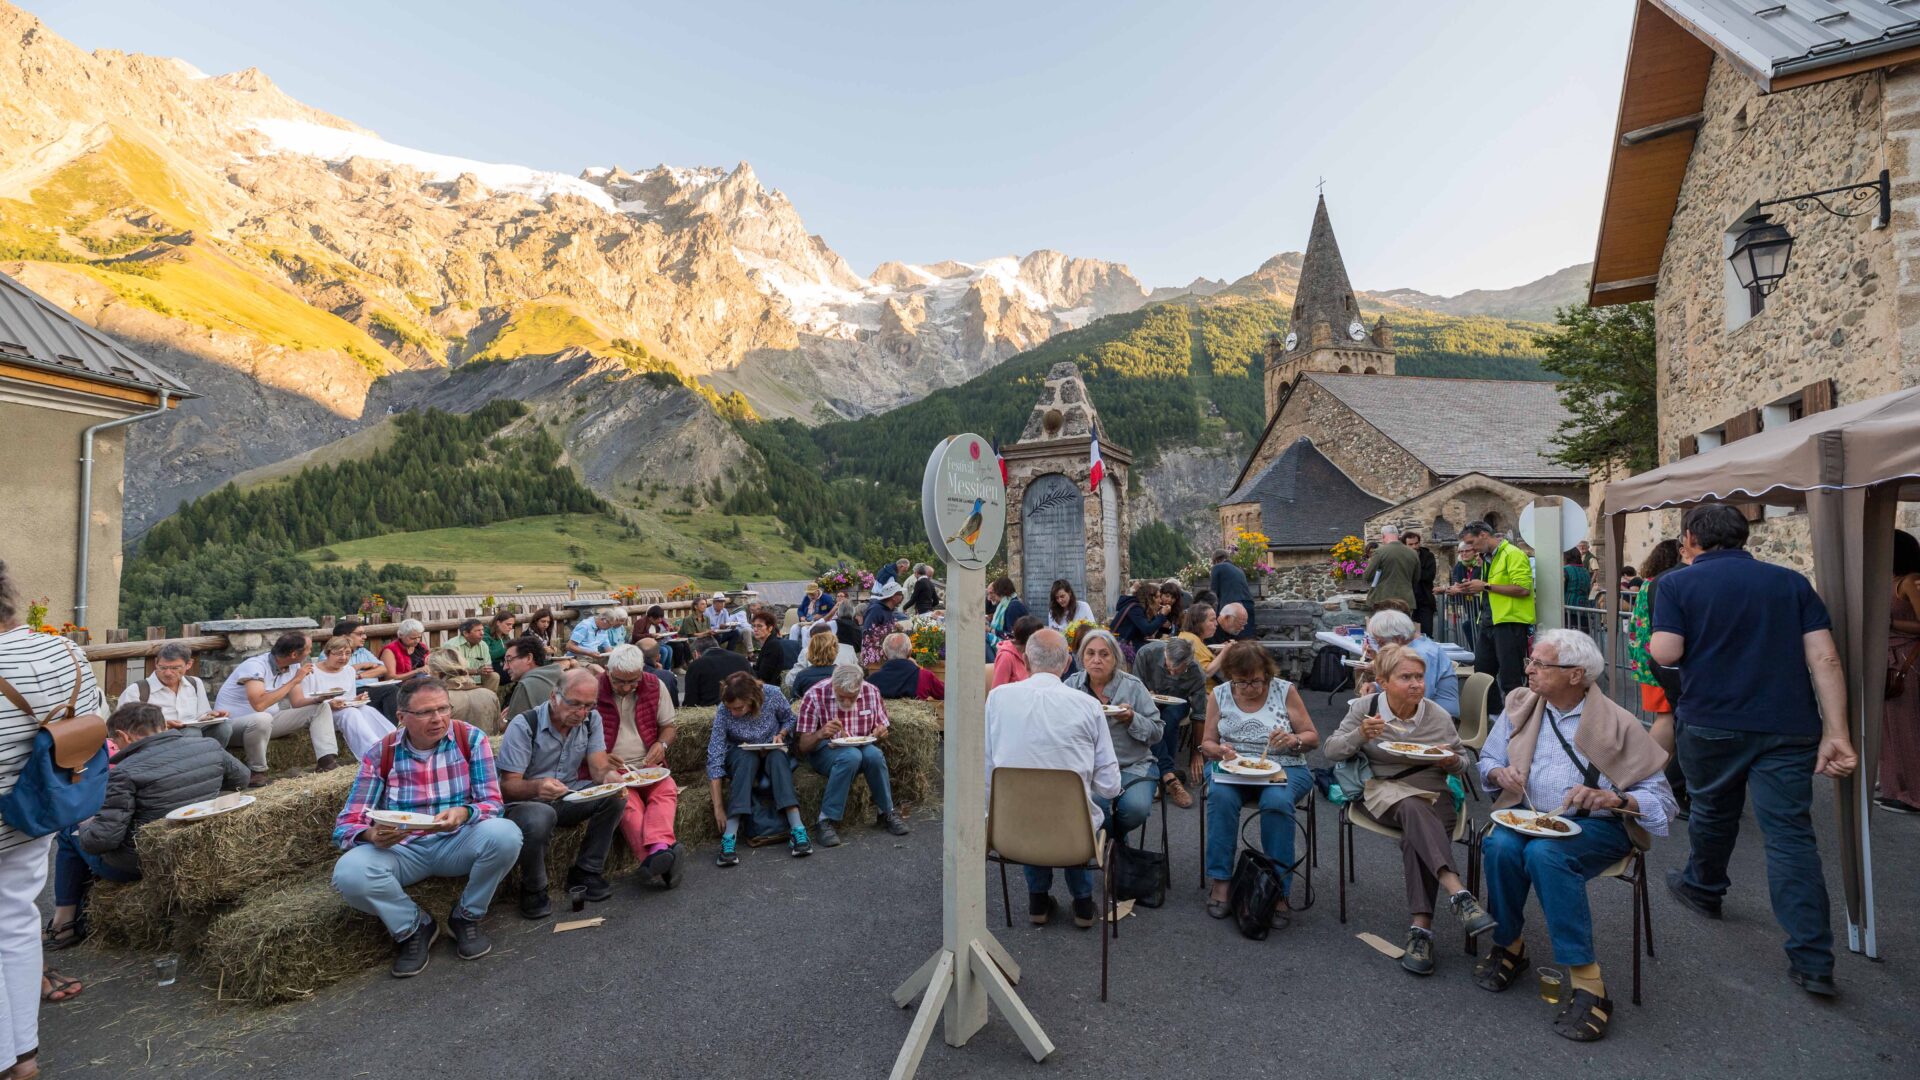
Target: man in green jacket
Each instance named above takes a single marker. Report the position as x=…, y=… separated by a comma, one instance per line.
x=1500, y=649
x=1391, y=572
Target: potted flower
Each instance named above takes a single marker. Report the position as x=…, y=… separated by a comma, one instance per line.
x=930, y=648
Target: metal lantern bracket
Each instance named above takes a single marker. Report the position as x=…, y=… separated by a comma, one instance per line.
x=1877, y=192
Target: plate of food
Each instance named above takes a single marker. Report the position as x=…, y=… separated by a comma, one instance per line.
x=854, y=740
x=763, y=746
x=202, y=721
x=1528, y=823
x=404, y=819
x=1113, y=710
x=210, y=807
x=597, y=791
x=328, y=695
x=349, y=702
x=1168, y=699
x=1247, y=766
x=1414, y=751
x=639, y=778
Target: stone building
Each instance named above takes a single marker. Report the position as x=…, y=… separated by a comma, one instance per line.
x=1727, y=106
x=1056, y=527
x=67, y=393
x=1350, y=443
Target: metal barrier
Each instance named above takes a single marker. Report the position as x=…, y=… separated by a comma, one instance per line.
x=1456, y=619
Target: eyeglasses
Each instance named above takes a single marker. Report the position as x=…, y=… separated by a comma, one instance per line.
x=444, y=710
x=1248, y=683
x=578, y=704
x=1531, y=663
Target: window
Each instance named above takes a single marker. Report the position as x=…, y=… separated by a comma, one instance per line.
x=1742, y=303
x=1713, y=439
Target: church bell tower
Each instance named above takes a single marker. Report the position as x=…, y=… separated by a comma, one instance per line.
x=1325, y=332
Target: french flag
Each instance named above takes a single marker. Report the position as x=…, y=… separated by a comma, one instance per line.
x=1097, y=468
x=1002, y=462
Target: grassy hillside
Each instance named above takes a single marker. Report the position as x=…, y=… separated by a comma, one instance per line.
x=1152, y=374
x=543, y=552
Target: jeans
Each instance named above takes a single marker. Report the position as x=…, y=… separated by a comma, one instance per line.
x=1130, y=809
x=1171, y=716
x=1277, y=802
x=839, y=764
x=537, y=820
x=744, y=769
x=374, y=880
x=1558, y=869
x=1079, y=880
x=74, y=870
x=1721, y=766
x=1500, y=650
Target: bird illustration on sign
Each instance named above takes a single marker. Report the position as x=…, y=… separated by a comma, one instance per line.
x=970, y=529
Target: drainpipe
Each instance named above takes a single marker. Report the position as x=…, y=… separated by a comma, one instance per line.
x=86, y=498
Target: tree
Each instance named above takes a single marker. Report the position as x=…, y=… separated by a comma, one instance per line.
x=1610, y=383
x=1158, y=550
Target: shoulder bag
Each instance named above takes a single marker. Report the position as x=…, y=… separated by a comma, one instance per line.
x=64, y=778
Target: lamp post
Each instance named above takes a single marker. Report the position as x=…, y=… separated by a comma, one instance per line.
x=1764, y=249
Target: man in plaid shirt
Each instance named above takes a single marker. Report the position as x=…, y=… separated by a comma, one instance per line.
x=846, y=707
x=435, y=766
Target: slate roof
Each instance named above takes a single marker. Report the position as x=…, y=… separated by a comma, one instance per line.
x=1325, y=295
x=1774, y=39
x=1500, y=427
x=1305, y=501
x=34, y=331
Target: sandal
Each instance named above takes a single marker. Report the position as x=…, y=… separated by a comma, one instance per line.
x=58, y=987
x=1583, y=1019
x=64, y=936
x=1219, y=909
x=1498, y=970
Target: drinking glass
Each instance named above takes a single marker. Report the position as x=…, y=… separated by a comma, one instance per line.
x=1551, y=985
x=578, y=894
x=166, y=969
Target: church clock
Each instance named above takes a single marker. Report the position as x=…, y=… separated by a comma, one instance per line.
x=1356, y=330
x=1293, y=339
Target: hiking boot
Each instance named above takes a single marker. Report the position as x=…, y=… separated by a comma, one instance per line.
x=1419, y=955
x=469, y=941
x=1039, y=908
x=1471, y=914
x=410, y=955
x=1178, y=794
x=1817, y=985
x=797, y=844
x=826, y=834
x=662, y=868
x=1684, y=893
x=327, y=764
x=534, y=904
x=893, y=823
x=729, y=855
x=258, y=779
x=596, y=885
x=1084, y=913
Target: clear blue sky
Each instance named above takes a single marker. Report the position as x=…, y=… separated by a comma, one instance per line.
x=1463, y=144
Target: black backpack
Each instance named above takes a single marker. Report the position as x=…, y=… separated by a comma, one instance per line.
x=1328, y=673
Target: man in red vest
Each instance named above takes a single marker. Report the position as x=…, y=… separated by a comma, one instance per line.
x=636, y=714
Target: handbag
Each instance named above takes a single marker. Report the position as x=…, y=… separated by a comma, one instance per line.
x=1253, y=893
x=63, y=781
x=1351, y=775
x=1897, y=673
x=1140, y=875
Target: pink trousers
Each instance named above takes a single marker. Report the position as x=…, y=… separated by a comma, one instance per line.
x=648, y=819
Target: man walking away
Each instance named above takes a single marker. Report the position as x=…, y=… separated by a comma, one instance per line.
x=1500, y=645
x=1763, y=706
x=1392, y=570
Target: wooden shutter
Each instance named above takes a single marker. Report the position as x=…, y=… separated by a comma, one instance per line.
x=1739, y=427
x=1816, y=397
x=1689, y=445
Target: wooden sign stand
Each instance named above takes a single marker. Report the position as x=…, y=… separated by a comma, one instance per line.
x=970, y=967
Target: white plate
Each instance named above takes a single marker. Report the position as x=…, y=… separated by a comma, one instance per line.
x=1246, y=766
x=328, y=695
x=1515, y=819
x=1164, y=699
x=763, y=746
x=349, y=703
x=1112, y=710
x=640, y=778
x=1426, y=751
x=854, y=740
x=403, y=819
x=210, y=808
x=597, y=791
x=205, y=721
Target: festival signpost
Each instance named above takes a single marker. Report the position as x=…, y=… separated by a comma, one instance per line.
x=964, y=503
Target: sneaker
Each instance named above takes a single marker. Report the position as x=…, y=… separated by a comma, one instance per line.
x=327, y=764
x=1084, y=912
x=1895, y=806
x=893, y=823
x=534, y=904
x=1817, y=985
x=826, y=834
x=597, y=887
x=1039, y=908
x=1419, y=955
x=1471, y=914
x=661, y=868
x=469, y=941
x=728, y=856
x=674, y=867
x=797, y=844
x=411, y=954
x=1688, y=898
x=1178, y=794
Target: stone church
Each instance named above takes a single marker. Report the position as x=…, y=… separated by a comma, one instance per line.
x=1351, y=444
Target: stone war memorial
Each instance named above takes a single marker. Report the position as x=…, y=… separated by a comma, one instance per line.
x=1057, y=527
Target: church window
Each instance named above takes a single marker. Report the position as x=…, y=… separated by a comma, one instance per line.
x=1372, y=371
x=1346, y=369
x=1493, y=521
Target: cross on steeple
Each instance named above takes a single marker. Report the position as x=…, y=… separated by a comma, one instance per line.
x=1322, y=185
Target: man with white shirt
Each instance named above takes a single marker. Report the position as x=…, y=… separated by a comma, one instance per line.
x=727, y=624
x=265, y=689
x=182, y=699
x=1038, y=723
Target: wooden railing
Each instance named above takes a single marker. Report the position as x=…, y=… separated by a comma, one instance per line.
x=124, y=659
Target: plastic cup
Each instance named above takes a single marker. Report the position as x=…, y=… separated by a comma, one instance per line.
x=1551, y=985
x=166, y=970
x=578, y=894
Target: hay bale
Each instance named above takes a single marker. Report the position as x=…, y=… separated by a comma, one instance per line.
x=294, y=751
x=137, y=915
x=285, y=833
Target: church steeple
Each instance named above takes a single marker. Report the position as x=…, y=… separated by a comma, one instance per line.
x=1325, y=331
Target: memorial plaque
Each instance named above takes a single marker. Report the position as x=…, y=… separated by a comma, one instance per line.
x=1053, y=538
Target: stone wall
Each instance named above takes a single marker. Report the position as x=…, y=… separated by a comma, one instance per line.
x=1849, y=308
x=1302, y=574
x=1354, y=446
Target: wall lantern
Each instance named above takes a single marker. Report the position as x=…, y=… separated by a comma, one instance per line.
x=1763, y=250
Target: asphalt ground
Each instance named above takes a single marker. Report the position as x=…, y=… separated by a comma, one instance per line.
x=783, y=967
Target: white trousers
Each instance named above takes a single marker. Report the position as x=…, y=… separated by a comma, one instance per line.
x=363, y=727
x=252, y=731
x=317, y=719
x=23, y=873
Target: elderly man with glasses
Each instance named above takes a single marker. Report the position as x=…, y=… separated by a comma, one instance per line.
x=546, y=754
x=846, y=706
x=636, y=718
x=437, y=766
x=1563, y=746
x=1168, y=669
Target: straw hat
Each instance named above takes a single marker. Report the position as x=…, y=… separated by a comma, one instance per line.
x=891, y=588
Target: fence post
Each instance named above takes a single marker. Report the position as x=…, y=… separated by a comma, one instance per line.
x=116, y=673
